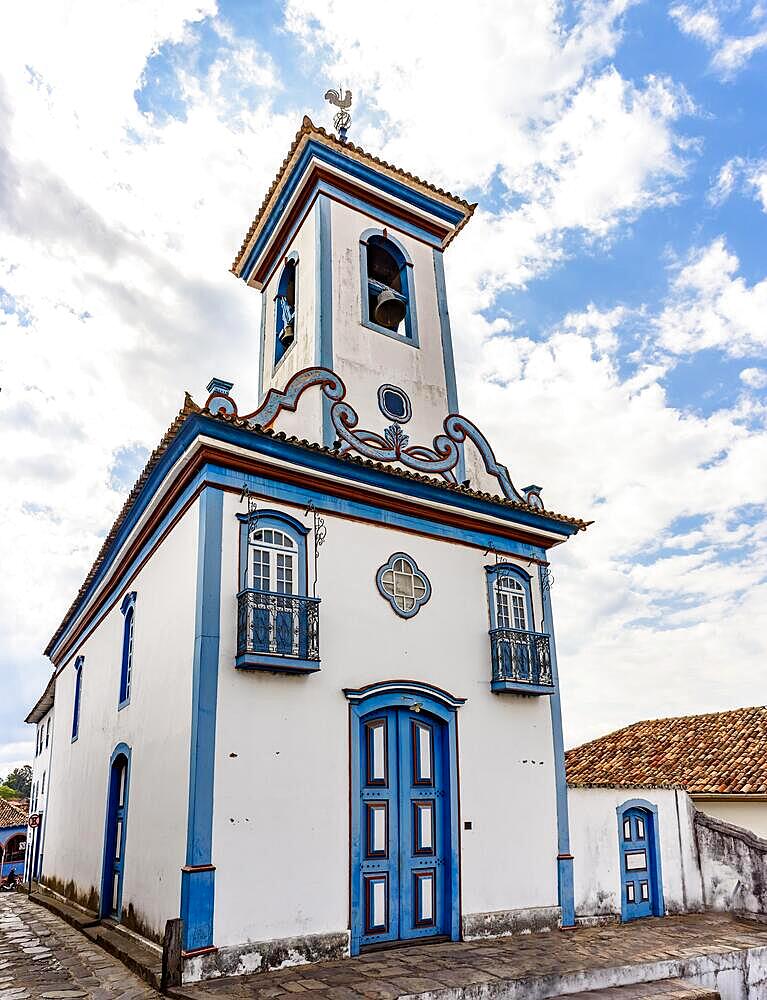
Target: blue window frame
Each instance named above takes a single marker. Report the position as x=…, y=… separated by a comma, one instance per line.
x=128, y=608
x=286, y=309
x=278, y=622
x=78, y=697
x=510, y=598
x=387, y=287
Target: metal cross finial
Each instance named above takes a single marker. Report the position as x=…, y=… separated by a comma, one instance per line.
x=343, y=101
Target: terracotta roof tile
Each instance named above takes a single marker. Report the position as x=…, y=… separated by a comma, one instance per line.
x=308, y=128
x=11, y=814
x=716, y=753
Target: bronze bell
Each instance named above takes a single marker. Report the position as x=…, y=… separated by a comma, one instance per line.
x=389, y=310
x=286, y=334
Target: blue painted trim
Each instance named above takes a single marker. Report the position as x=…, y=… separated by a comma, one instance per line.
x=395, y=694
x=410, y=336
x=566, y=890
x=276, y=664
x=519, y=687
x=285, y=523
x=121, y=750
x=509, y=569
x=388, y=387
x=658, y=901
x=198, y=424
x=359, y=171
x=262, y=352
x=420, y=601
x=128, y=609
x=447, y=349
x=323, y=305
x=197, y=895
x=77, y=700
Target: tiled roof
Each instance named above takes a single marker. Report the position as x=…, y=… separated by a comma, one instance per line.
x=190, y=407
x=44, y=703
x=11, y=815
x=717, y=753
x=310, y=130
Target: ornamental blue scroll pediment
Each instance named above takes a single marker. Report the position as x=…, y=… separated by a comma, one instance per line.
x=441, y=459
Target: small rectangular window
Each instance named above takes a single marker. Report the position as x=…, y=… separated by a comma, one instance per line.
x=376, y=752
x=627, y=829
x=636, y=861
x=644, y=891
x=640, y=828
x=630, y=896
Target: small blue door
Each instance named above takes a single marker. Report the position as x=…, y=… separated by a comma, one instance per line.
x=403, y=879
x=638, y=890
x=114, y=840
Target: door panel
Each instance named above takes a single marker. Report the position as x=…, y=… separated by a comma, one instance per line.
x=114, y=846
x=403, y=826
x=637, y=873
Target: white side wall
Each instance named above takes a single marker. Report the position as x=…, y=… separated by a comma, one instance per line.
x=41, y=783
x=751, y=815
x=594, y=838
x=281, y=823
x=156, y=725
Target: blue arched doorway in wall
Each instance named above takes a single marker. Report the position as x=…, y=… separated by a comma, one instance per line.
x=115, y=833
x=640, y=864
x=404, y=791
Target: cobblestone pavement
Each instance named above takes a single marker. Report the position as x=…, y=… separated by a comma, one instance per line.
x=43, y=958
x=384, y=975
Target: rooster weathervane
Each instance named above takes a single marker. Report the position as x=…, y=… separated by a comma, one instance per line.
x=343, y=101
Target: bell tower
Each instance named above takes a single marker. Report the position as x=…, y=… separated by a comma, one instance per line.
x=347, y=252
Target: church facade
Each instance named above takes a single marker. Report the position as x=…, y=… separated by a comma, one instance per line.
x=308, y=694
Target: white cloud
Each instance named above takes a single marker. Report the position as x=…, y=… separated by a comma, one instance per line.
x=730, y=53
x=740, y=173
x=710, y=305
x=754, y=378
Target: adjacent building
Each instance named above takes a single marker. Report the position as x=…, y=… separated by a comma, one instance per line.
x=307, y=696
x=13, y=840
x=41, y=717
x=633, y=800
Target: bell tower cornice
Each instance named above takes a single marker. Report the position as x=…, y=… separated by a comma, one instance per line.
x=319, y=163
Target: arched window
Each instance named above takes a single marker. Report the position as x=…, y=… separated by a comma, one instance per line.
x=15, y=850
x=273, y=561
x=509, y=598
x=387, y=287
x=77, y=697
x=277, y=620
x=128, y=608
x=285, y=310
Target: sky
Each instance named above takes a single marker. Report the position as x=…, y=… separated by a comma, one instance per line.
x=608, y=299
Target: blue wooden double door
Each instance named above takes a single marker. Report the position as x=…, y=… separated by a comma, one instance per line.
x=403, y=875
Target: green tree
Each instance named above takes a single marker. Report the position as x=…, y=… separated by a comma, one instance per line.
x=8, y=793
x=20, y=779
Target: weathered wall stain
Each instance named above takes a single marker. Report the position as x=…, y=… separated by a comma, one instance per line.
x=733, y=864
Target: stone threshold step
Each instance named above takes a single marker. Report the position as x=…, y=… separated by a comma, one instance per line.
x=662, y=989
x=74, y=916
x=145, y=961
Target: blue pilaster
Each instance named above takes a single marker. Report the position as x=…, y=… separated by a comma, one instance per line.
x=564, y=857
x=198, y=874
x=324, y=305
x=447, y=350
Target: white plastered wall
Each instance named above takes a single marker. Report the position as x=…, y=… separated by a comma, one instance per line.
x=156, y=725
x=281, y=822
x=41, y=783
x=751, y=814
x=595, y=845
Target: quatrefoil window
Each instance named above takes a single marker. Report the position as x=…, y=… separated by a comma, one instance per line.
x=403, y=585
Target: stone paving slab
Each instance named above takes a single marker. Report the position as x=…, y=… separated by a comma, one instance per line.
x=531, y=964
x=663, y=989
x=43, y=958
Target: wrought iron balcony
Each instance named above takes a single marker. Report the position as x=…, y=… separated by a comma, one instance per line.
x=521, y=661
x=278, y=632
